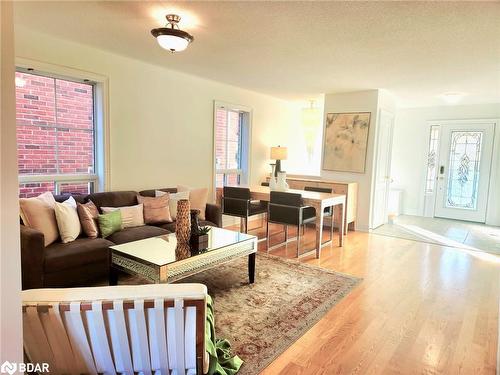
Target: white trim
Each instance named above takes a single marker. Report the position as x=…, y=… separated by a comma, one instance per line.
x=240, y=108
x=26, y=179
x=376, y=167
x=101, y=107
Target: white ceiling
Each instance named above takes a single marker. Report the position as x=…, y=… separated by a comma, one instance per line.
x=297, y=50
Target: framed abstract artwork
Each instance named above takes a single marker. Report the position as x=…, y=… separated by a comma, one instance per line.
x=345, y=141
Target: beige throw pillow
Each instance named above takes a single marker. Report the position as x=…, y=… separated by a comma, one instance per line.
x=174, y=198
x=38, y=213
x=156, y=209
x=197, y=198
x=88, y=213
x=67, y=220
x=132, y=216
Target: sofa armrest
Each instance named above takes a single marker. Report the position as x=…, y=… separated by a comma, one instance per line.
x=213, y=213
x=32, y=257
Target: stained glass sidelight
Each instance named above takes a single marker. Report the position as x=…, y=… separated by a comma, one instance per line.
x=432, y=159
x=463, y=175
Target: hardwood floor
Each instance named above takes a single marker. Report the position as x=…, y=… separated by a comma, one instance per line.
x=421, y=309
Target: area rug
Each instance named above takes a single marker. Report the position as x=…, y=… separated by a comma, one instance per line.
x=263, y=319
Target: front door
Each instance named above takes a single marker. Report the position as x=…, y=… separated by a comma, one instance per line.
x=464, y=171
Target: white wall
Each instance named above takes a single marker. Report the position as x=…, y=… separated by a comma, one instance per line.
x=161, y=121
x=359, y=101
x=410, y=147
x=10, y=263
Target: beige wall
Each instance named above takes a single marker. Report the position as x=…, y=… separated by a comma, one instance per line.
x=10, y=275
x=359, y=101
x=161, y=121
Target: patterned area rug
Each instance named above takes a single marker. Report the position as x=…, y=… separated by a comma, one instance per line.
x=264, y=319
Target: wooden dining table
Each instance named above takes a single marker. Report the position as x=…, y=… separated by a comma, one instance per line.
x=318, y=200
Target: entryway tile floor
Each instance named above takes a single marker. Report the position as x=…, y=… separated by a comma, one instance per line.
x=453, y=233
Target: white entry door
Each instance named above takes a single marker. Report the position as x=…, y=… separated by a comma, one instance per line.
x=464, y=171
x=382, y=178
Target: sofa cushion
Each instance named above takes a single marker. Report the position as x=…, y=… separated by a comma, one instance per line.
x=113, y=199
x=151, y=192
x=137, y=233
x=38, y=213
x=171, y=226
x=79, y=198
x=59, y=256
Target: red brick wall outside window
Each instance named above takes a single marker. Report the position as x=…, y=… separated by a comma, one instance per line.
x=227, y=146
x=55, y=132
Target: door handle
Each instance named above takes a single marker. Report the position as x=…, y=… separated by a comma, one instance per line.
x=441, y=169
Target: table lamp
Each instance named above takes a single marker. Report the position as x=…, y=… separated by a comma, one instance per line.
x=278, y=153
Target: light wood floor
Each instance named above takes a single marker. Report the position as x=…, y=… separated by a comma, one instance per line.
x=421, y=309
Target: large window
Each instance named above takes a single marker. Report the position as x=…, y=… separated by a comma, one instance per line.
x=55, y=135
x=232, y=135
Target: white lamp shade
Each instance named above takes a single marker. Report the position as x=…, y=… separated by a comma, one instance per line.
x=279, y=153
x=172, y=42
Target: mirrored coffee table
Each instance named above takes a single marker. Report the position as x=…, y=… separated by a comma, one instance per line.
x=163, y=260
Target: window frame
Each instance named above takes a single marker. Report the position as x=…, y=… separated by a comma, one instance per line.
x=100, y=178
x=245, y=118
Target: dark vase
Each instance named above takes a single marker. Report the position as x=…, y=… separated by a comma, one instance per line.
x=195, y=224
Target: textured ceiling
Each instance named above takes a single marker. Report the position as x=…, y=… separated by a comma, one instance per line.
x=297, y=50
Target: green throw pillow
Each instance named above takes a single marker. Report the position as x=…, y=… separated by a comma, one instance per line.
x=110, y=223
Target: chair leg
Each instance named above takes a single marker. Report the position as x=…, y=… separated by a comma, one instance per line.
x=267, y=236
x=246, y=224
x=298, y=239
x=286, y=233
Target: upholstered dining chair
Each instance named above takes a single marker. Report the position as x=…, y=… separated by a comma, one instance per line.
x=328, y=210
x=145, y=329
x=288, y=209
x=236, y=201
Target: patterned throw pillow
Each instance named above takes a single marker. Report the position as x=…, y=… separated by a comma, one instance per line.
x=156, y=210
x=88, y=214
x=110, y=223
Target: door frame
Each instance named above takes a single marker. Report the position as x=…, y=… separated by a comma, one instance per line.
x=430, y=204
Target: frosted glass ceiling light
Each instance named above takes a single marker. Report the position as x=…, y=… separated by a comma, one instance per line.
x=171, y=37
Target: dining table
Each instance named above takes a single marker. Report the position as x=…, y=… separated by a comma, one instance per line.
x=318, y=200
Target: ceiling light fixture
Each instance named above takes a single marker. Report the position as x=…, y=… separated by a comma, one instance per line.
x=171, y=37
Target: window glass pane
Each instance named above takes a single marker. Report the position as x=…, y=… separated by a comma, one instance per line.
x=220, y=138
x=463, y=174
x=36, y=149
x=29, y=190
x=55, y=125
x=75, y=188
x=432, y=159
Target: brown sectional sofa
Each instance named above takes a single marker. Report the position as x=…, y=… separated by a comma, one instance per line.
x=85, y=261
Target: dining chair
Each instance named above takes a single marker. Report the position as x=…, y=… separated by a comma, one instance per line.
x=236, y=201
x=127, y=329
x=328, y=211
x=288, y=209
